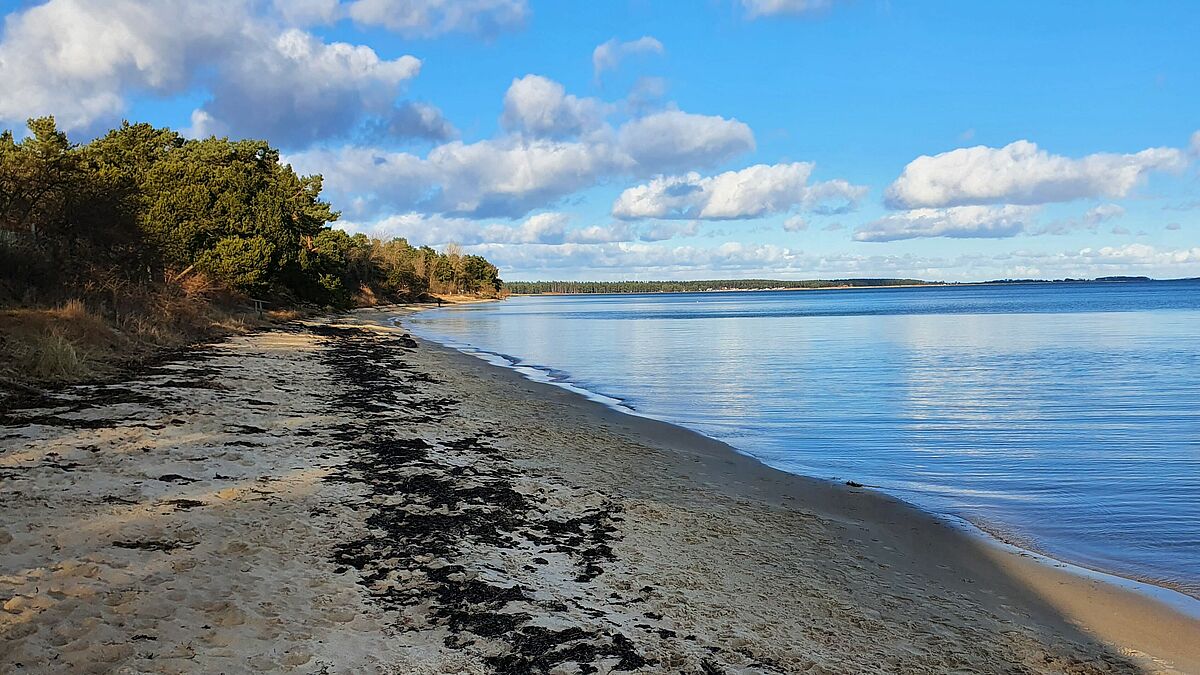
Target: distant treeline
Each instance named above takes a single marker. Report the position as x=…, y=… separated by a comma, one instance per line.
x=142, y=206
x=570, y=287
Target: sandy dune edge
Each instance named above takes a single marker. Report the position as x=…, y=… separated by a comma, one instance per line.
x=343, y=499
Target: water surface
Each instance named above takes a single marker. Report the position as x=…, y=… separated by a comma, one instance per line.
x=1061, y=417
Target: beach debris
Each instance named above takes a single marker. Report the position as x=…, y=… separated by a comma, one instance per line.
x=155, y=545
x=437, y=508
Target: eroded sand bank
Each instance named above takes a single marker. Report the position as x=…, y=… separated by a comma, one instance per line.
x=341, y=498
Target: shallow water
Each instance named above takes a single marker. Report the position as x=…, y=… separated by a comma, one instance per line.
x=1061, y=417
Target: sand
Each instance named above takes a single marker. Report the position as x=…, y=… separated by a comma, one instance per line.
x=341, y=498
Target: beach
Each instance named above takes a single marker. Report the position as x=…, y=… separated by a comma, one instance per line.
x=336, y=496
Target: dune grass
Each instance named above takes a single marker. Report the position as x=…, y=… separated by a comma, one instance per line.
x=77, y=340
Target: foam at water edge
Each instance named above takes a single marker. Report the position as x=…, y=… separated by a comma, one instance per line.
x=532, y=372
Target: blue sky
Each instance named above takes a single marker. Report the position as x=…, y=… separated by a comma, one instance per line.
x=637, y=139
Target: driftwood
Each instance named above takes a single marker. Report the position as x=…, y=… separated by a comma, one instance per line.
x=187, y=270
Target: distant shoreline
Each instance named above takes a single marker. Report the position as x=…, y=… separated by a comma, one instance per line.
x=852, y=287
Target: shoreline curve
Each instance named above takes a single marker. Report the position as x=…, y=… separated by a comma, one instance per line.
x=1104, y=603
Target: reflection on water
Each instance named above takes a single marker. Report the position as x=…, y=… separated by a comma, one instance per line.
x=1063, y=416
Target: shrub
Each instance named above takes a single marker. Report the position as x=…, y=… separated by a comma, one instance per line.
x=242, y=263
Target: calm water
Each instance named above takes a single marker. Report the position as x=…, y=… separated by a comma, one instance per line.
x=1065, y=418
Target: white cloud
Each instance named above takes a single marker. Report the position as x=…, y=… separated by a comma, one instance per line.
x=539, y=106
x=421, y=229
x=1139, y=255
x=428, y=18
x=543, y=228
x=624, y=260
x=81, y=61
x=77, y=59
x=1103, y=212
x=758, y=8
x=608, y=56
x=1174, y=227
x=1194, y=146
x=795, y=224
x=1021, y=173
x=506, y=176
x=673, y=140
x=514, y=174
x=755, y=191
x=957, y=222
x=602, y=234
x=1090, y=220
x=299, y=89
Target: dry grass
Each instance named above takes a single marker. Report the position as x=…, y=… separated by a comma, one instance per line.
x=76, y=341
x=53, y=358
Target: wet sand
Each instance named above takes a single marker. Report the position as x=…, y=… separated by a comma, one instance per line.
x=340, y=497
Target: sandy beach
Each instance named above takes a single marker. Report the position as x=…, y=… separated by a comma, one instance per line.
x=334, y=496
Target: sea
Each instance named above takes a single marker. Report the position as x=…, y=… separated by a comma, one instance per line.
x=1063, y=418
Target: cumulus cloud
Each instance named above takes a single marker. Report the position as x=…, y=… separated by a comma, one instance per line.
x=673, y=139
x=958, y=222
x=608, y=56
x=517, y=173
x=755, y=191
x=550, y=227
x=499, y=177
x=77, y=59
x=428, y=18
x=1021, y=173
x=299, y=89
x=1139, y=255
x=539, y=106
x=422, y=229
x=81, y=61
x=795, y=224
x=760, y=8
x=602, y=234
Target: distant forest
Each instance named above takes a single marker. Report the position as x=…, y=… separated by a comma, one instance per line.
x=573, y=287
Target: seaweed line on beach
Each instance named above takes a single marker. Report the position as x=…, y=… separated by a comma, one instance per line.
x=435, y=508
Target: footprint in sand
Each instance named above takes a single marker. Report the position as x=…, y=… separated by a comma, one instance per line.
x=296, y=658
x=224, y=614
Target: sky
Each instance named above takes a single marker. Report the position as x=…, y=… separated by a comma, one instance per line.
x=630, y=139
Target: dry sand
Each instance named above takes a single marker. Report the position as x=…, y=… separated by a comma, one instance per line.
x=341, y=498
